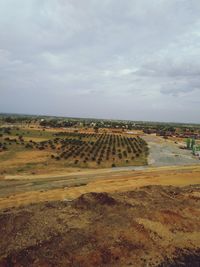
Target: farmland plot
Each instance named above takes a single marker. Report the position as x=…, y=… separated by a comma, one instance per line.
x=103, y=150
x=68, y=150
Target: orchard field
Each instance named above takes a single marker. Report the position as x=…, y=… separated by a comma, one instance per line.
x=103, y=150
x=33, y=150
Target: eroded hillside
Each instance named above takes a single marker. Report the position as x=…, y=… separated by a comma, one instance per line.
x=150, y=226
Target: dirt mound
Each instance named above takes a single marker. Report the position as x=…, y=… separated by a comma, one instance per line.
x=151, y=226
x=91, y=200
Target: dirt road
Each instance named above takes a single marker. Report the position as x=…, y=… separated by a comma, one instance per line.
x=22, y=192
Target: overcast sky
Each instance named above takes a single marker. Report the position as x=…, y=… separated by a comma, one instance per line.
x=122, y=59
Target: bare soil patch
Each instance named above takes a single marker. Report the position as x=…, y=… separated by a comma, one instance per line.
x=22, y=191
x=149, y=226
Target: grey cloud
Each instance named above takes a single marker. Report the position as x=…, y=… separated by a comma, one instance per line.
x=181, y=87
x=170, y=68
x=70, y=56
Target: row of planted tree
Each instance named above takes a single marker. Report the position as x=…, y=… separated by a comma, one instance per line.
x=100, y=148
x=84, y=148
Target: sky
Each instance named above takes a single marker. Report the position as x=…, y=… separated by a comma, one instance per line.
x=124, y=59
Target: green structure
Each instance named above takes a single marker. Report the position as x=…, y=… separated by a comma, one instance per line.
x=196, y=149
x=190, y=143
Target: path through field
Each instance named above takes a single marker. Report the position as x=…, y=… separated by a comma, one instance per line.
x=21, y=192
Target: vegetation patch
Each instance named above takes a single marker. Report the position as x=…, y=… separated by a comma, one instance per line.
x=22, y=150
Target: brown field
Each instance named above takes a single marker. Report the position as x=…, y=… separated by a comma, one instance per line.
x=145, y=226
x=72, y=185
x=56, y=214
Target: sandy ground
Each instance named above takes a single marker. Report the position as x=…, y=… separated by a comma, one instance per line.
x=14, y=193
x=166, y=153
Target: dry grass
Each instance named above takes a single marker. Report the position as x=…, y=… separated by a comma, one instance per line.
x=21, y=158
x=149, y=226
x=109, y=182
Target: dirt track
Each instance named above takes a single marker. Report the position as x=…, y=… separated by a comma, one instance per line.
x=22, y=192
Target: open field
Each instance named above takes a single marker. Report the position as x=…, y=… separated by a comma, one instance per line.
x=37, y=151
x=55, y=179
x=61, y=203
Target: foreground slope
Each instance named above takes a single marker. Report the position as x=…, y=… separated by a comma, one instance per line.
x=149, y=226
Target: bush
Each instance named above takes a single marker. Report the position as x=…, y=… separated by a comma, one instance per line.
x=28, y=146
